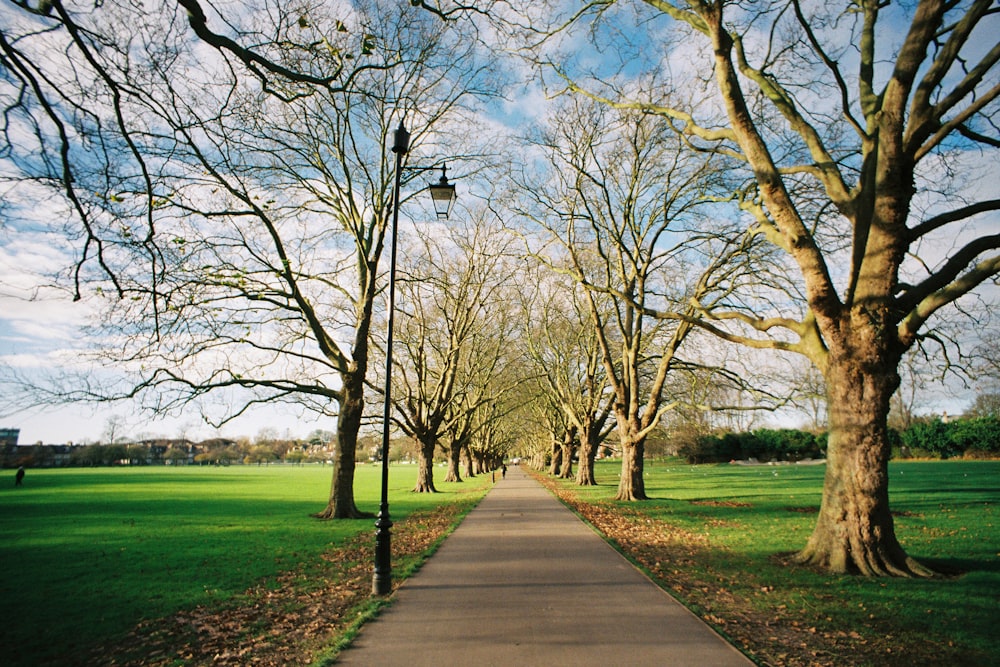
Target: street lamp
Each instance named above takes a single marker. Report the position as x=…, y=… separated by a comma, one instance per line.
x=443, y=195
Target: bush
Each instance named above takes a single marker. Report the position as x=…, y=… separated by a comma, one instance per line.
x=97, y=455
x=979, y=436
x=787, y=445
x=711, y=449
x=928, y=437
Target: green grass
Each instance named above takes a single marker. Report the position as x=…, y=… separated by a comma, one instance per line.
x=87, y=553
x=945, y=516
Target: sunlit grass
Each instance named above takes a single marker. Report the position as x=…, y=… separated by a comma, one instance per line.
x=87, y=553
x=945, y=515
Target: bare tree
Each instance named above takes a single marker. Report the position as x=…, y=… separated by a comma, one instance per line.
x=621, y=202
x=863, y=130
x=452, y=335
x=233, y=200
x=566, y=356
x=113, y=427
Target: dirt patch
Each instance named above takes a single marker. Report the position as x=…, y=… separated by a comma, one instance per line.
x=720, y=503
x=286, y=622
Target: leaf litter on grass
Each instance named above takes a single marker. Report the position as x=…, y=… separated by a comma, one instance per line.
x=768, y=624
x=282, y=622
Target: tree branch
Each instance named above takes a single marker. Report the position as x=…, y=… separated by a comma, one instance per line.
x=934, y=301
x=938, y=282
x=938, y=221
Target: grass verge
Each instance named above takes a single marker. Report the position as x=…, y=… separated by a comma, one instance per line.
x=718, y=537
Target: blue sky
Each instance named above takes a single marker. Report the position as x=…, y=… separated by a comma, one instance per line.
x=40, y=328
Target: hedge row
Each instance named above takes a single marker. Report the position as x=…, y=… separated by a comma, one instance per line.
x=977, y=437
x=762, y=445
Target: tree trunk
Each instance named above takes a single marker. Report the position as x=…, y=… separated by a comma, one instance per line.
x=341, y=504
x=538, y=460
x=588, y=452
x=631, y=486
x=854, y=532
x=425, y=466
x=556, y=464
x=469, y=462
x=569, y=440
x=454, y=462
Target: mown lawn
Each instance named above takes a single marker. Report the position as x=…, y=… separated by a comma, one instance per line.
x=719, y=537
x=87, y=553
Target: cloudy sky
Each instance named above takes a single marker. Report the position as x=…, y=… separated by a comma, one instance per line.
x=41, y=334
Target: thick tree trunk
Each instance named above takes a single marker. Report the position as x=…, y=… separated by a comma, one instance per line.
x=425, y=467
x=631, y=485
x=556, y=464
x=568, y=445
x=341, y=504
x=588, y=453
x=454, y=462
x=538, y=460
x=469, y=463
x=854, y=532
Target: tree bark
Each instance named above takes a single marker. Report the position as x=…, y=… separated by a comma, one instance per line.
x=556, y=464
x=631, y=485
x=341, y=503
x=854, y=532
x=568, y=445
x=425, y=466
x=454, y=463
x=469, y=462
x=588, y=453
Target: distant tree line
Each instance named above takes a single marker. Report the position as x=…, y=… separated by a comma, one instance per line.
x=317, y=448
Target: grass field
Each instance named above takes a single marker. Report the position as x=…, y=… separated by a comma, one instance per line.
x=713, y=535
x=87, y=553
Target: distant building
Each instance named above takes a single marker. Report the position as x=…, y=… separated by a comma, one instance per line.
x=9, y=436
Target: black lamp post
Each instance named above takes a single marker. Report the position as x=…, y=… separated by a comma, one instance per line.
x=443, y=195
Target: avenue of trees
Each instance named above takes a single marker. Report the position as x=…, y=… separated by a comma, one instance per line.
x=625, y=208
x=455, y=343
x=858, y=130
x=230, y=196
x=728, y=187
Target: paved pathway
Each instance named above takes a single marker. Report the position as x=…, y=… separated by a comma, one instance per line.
x=524, y=582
